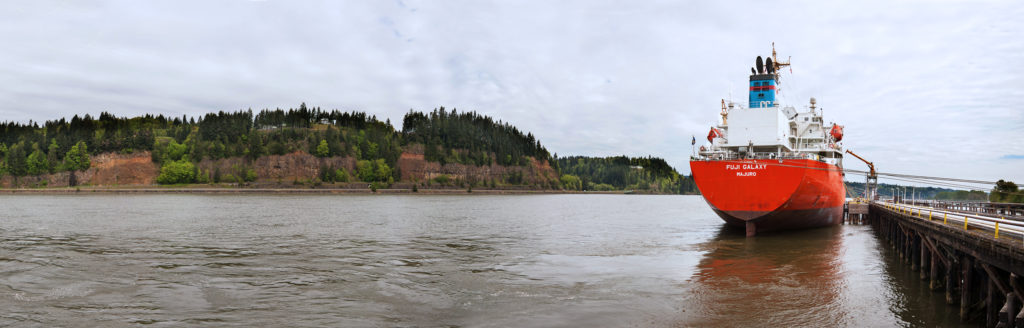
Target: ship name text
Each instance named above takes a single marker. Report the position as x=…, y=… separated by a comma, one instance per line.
x=746, y=166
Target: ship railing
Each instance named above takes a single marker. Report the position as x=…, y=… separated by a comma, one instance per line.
x=967, y=222
x=723, y=155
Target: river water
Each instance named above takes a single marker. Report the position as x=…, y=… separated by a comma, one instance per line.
x=468, y=261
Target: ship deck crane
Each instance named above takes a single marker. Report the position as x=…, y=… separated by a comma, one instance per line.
x=871, y=187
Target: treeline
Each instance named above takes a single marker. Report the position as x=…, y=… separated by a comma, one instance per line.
x=60, y=145
x=974, y=195
x=856, y=189
x=1002, y=192
x=179, y=144
x=469, y=138
x=622, y=173
x=1006, y=192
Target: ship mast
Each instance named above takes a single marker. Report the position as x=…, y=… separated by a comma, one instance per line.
x=725, y=114
x=777, y=63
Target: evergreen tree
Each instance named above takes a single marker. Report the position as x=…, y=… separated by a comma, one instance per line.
x=77, y=159
x=17, y=164
x=36, y=163
x=322, y=150
x=53, y=155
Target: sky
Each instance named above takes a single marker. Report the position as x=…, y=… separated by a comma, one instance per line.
x=932, y=88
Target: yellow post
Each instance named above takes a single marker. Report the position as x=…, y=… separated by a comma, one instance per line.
x=965, y=223
x=944, y=217
x=997, y=230
x=929, y=215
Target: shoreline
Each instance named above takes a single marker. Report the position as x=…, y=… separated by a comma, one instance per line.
x=311, y=191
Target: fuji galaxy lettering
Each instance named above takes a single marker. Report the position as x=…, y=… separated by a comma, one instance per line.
x=746, y=166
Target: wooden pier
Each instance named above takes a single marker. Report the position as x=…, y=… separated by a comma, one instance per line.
x=975, y=258
x=855, y=212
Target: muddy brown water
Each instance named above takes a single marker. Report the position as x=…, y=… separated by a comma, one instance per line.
x=444, y=260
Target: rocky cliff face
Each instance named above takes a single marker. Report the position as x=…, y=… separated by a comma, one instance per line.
x=285, y=168
x=138, y=169
x=107, y=170
x=414, y=167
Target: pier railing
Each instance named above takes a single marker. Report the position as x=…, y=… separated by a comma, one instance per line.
x=1012, y=211
x=967, y=220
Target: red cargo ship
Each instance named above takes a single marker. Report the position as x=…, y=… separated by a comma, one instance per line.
x=771, y=168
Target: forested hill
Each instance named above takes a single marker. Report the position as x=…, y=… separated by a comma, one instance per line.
x=467, y=149
x=885, y=190
x=623, y=173
x=479, y=135
x=212, y=136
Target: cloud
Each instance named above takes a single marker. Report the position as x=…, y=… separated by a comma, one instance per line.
x=921, y=88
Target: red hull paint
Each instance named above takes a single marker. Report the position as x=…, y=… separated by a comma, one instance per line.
x=771, y=195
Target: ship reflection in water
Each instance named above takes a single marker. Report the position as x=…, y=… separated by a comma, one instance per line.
x=757, y=281
x=832, y=276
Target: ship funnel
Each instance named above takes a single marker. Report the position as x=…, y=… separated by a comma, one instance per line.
x=762, y=85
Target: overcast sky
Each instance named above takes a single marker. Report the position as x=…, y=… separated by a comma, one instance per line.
x=923, y=87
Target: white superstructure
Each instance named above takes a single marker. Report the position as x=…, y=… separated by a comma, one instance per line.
x=764, y=129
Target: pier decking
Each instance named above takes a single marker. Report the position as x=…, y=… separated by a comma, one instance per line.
x=973, y=253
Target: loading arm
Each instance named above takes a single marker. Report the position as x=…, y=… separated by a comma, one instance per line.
x=871, y=166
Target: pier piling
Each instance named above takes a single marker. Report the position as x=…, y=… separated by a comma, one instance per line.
x=975, y=260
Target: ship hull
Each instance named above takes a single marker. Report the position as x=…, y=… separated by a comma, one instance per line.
x=772, y=195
